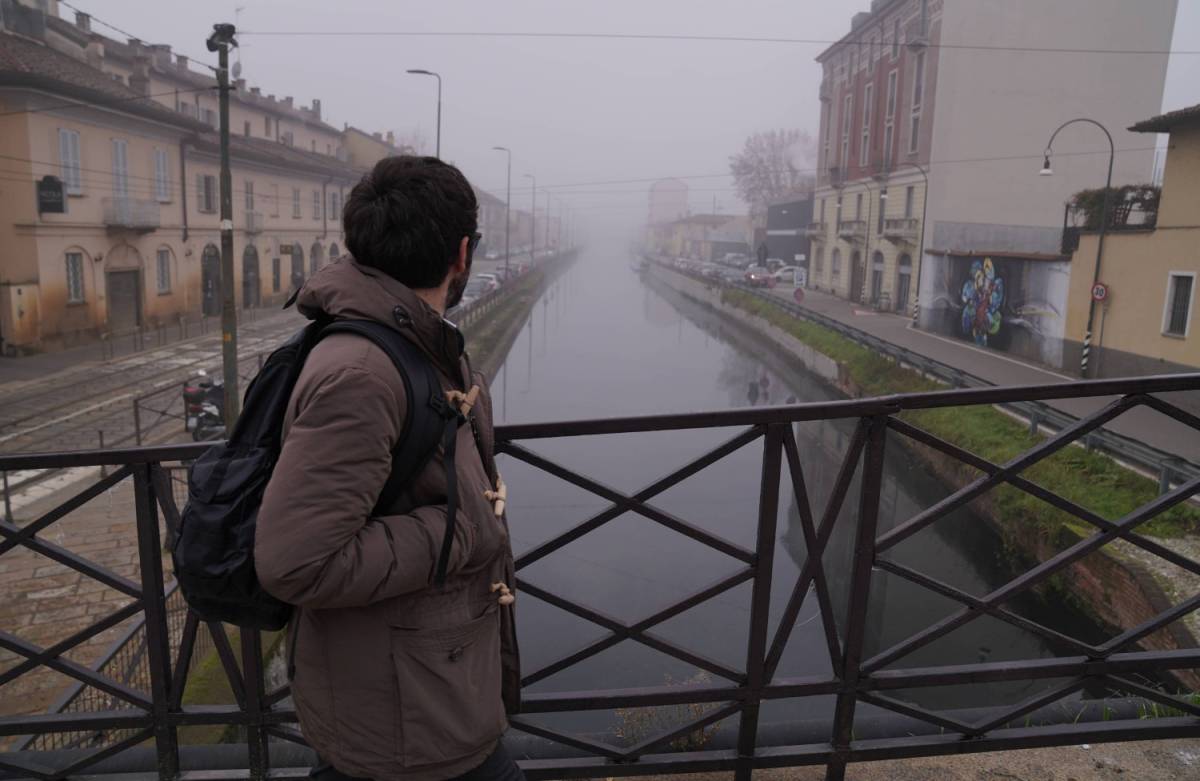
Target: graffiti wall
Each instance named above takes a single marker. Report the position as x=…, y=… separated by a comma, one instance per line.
x=1014, y=305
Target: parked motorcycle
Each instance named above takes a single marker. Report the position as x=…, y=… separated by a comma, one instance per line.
x=204, y=405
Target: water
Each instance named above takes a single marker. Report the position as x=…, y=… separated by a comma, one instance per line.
x=602, y=342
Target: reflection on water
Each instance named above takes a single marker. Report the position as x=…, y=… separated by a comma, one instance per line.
x=602, y=343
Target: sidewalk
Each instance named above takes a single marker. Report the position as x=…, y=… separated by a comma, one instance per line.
x=1002, y=369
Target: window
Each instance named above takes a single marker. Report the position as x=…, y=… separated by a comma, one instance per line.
x=858, y=207
x=1178, y=310
x=206, y=193
x=246, y=128
x=295, y=203
x=823, y=211
x=209, y=117
x=847, y=112
x=249, y=195
x=68, y=158
x=275, y=274
x=74, y=277
x=895, y=39
x=163, y=265
x=274, y=200
x=335, y=205
x=889, y=135
x=188, y=110
x=864, y=152
x=893, y=77
x=914, y=140
x=828, y=111
x=835, y=263
x=120, y=167
x=882, y=210
x=316, y=204
x=819, y=260
x=267, y=129
x=910, y=193
x=162, y=177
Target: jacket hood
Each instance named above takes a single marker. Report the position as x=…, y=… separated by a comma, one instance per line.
x=348, y=290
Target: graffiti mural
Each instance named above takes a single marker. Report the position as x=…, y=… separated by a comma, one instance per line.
x=982, y=299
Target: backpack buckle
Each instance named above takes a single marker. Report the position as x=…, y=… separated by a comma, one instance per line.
x=444, y=409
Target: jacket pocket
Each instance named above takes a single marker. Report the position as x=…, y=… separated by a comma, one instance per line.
x=449, y=679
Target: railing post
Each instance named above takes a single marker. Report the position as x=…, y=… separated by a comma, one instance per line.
x=158, y=641
x=137, y=422
x=8, y=516
x=256, y=736
x=860, y=593
x=103, y=469
x=760, y=598
x=1164, y=478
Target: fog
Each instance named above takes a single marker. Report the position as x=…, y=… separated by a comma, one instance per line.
x=575, y=111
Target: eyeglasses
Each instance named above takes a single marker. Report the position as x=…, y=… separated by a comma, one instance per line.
x=473, y=242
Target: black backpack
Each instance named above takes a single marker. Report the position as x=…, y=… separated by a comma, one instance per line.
x=214, y=550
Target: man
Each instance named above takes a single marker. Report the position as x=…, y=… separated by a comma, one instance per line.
x=396, y=677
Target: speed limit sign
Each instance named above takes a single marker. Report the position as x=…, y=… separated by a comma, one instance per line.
x=1099, y=292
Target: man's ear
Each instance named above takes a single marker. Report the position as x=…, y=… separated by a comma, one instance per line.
x=460, y=264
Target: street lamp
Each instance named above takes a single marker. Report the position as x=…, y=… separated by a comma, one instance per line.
x=507, y=204
x=422, y=72
x=532, y=222
x=921, y=247
x=1048, y=171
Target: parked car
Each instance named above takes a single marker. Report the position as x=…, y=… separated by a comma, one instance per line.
x=490, y=281
x=788, y=275
x=758, y=276
x=491, y=255
x=729, y=275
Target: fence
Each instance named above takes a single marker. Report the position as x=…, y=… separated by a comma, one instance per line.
x=151, y=711
x=1169, y=468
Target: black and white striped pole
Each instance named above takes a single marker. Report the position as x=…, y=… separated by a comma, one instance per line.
x=1085, y=354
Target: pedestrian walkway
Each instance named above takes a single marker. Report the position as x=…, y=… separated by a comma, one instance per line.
x=1001, y=369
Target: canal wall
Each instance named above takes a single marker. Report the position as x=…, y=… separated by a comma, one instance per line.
x=1114, y=586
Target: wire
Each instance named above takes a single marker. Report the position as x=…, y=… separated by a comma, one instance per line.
x=697, y=38
x=127, y=34
x=108, y=103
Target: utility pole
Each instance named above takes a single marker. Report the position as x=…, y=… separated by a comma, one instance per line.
x=533, y=222
x=507, y=205
x=221, y=41
x=547, y=244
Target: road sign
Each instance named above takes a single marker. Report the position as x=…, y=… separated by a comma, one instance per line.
x=1099, y=292
x=799, y=295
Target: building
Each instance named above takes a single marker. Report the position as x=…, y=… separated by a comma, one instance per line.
x=1144, y=324
x=364, y=149
x=787, y=231
x=668, y=201
x=938, y=147
x=127, y=131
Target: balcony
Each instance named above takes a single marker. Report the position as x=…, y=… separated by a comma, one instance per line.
x=130, y=214
x=916, y=34
x=814, y=230
x=253, y=223
x=904, y=229
x=852, y=230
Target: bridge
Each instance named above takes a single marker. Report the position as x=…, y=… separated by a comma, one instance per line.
x=125, y=712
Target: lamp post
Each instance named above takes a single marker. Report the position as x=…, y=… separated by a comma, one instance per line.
x=921, y=245
x=507, y=204
x=1048, y=171
x=422, y=72
x=532, y=222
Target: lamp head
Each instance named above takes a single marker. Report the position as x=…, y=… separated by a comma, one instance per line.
x=883, y=194
x=1046, y=169
x=421, y=71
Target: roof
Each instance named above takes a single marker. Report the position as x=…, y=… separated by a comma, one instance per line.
x=1164, y=123
x=268, y=152
x=484, y=195
x=26, y=63
x=855, y=29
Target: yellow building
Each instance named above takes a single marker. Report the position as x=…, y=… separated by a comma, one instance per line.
x=128, y=131
x=1144, y=325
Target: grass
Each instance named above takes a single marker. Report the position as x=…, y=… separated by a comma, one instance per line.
x=484, y=336
x=208, y=684
x=1091, y=480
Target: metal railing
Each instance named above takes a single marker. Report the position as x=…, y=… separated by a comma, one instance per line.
x=253, y=222
x=900, y=228
x=1170, y=469
x=151, y=712
x=852, y=229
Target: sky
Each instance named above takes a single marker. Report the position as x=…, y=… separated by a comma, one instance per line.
x=574, y=111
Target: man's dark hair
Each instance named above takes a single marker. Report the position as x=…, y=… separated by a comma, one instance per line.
x=408, y=217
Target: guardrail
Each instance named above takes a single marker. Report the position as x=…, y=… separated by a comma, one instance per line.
x=1168, y=468
x=152, y=712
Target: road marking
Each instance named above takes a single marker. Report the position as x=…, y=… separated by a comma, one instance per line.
x=62, y=418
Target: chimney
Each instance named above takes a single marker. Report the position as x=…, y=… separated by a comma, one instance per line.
x=181, y=62
x=316, y=108
x=271, y=97
x=288, y=101
x=161, y=54
x=95, y=51
x=241, y=85
x=391, y=138
x=139, y=79
x=256, y=91
x=83, y=21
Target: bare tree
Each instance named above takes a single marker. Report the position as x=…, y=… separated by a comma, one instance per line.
x=773, y=164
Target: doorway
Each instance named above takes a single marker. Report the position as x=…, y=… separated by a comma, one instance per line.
x=124, y=300
x=856, y=277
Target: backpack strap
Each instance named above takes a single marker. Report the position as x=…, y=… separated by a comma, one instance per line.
x=430, y=420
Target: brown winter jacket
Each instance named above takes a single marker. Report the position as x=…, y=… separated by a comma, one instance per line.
x=395, y=678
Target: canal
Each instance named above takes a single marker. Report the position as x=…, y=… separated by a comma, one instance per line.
x=601, y=342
